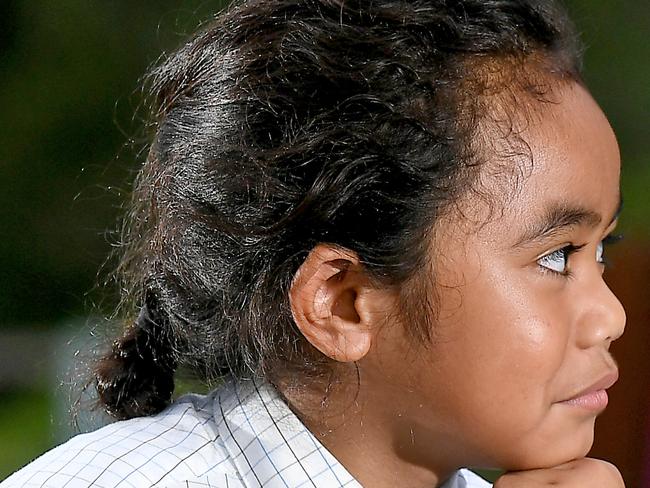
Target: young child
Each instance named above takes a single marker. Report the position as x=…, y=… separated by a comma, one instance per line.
x=380, y=226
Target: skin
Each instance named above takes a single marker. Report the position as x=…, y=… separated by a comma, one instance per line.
x=512, y=340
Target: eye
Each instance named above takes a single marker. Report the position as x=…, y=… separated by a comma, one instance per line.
x=600, y=249
x=556, y=261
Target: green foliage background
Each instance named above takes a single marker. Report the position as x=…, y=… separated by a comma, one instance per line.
x=69, y=100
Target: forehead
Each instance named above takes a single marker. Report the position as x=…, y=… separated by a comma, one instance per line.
x=575, y=154
x=552, y=152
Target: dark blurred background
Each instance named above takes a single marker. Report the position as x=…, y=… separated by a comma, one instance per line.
x=70, y=141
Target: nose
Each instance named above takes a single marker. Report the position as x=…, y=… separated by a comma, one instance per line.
x=603, y=318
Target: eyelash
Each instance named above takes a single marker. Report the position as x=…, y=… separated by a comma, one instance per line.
x=566, y=252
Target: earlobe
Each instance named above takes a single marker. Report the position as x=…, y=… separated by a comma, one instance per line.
x=328, y=303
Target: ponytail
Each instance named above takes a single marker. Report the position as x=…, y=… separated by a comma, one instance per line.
x=137, y=377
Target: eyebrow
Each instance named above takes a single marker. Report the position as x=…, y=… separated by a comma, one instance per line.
x=560, y=216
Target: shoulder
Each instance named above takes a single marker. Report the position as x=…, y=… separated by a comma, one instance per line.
x=179, y=445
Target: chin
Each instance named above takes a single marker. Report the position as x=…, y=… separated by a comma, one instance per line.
x=546, y=451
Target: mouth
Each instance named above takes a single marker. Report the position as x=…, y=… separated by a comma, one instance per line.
x=594, y=397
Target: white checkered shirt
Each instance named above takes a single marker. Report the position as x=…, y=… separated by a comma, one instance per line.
x=238, y=436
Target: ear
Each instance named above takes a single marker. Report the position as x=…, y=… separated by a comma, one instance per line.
x=329, y=299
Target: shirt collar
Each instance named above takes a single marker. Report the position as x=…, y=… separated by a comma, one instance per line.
x=268, y=443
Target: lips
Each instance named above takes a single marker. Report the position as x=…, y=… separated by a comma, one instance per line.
x=602, y=384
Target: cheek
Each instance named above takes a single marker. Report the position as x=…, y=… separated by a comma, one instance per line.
x=510, y=328
x=525, y=334
x=503, y=351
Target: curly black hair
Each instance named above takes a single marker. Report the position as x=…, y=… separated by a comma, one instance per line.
x=288, y=123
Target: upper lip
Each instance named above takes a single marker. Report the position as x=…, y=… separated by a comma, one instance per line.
x=602, y=384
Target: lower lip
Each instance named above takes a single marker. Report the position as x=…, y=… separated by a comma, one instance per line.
x=594, y=401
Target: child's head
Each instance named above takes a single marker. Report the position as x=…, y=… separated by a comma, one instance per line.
x=379, y=191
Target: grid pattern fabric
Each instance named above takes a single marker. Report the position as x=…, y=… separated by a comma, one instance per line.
x=241, y=435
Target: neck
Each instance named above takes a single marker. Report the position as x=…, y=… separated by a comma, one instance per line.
x=367, y=432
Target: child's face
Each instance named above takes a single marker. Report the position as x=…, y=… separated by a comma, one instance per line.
x=513, y=340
